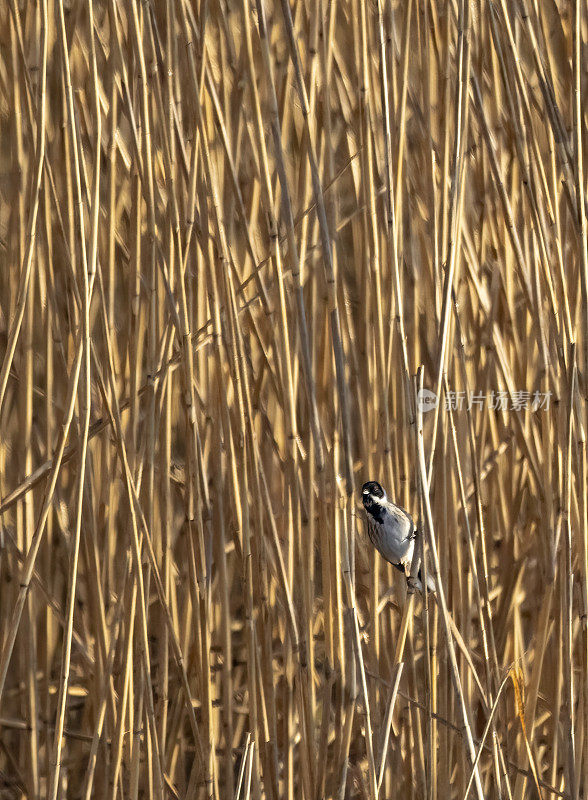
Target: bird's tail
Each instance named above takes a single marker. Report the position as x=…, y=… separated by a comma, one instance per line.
x=431, y=585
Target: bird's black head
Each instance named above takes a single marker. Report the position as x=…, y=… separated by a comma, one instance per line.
x=373, y=496
x=371, y=490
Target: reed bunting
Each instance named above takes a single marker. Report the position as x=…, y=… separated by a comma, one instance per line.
x=392, y=531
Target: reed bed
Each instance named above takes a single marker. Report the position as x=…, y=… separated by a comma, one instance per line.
x=242, y=243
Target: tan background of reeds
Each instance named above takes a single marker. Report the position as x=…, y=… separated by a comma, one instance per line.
x=230, y=234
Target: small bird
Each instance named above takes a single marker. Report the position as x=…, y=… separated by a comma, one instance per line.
x=391, y=530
